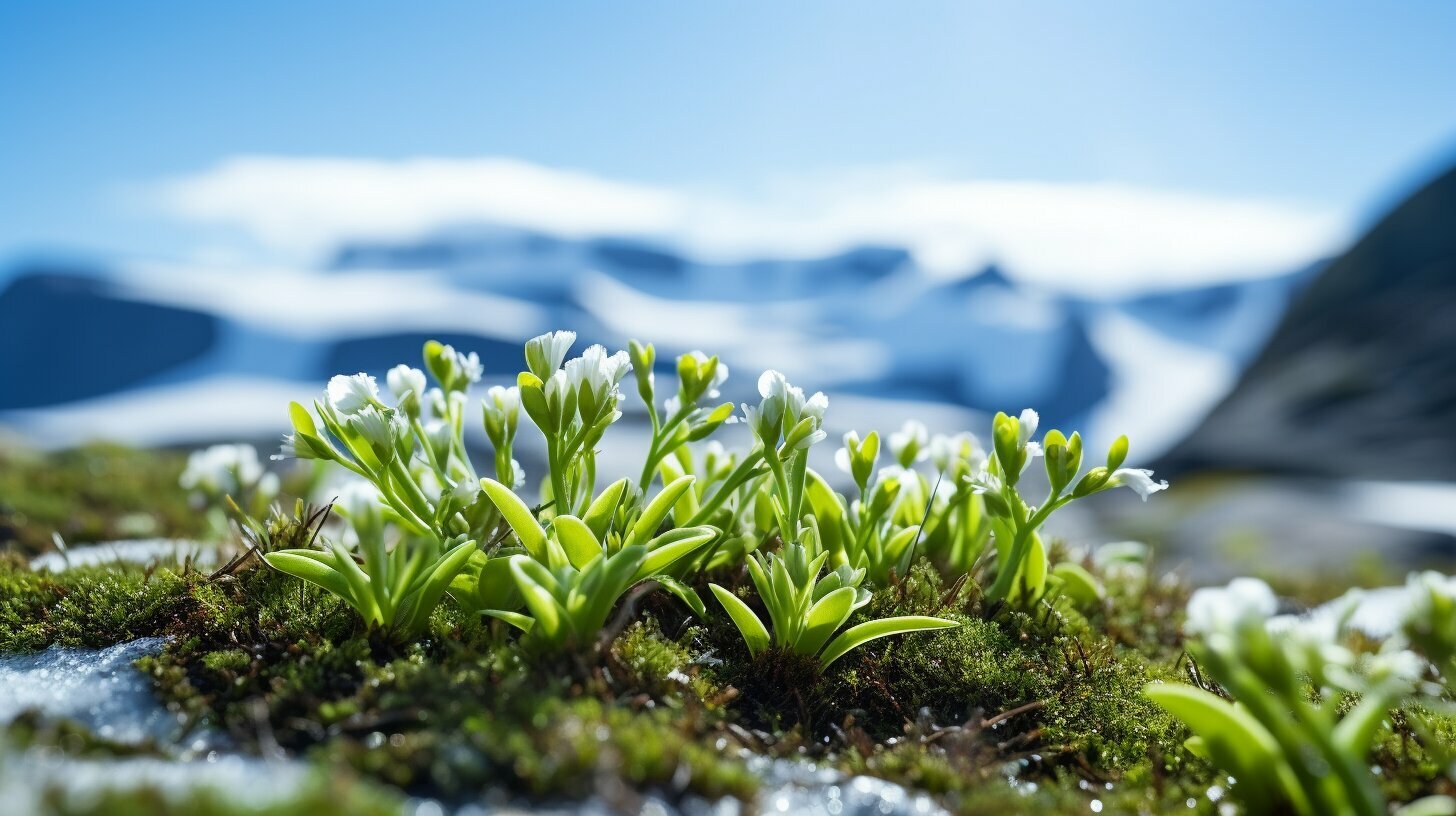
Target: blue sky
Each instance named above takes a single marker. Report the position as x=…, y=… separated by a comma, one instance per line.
x=1331, y=107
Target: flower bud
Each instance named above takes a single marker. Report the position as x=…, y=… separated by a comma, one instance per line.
x=544, y=354
x=644, y=357
x=1095, y=480
x=1117, y=454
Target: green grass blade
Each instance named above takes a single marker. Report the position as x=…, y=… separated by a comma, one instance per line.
x=684, y=593
x=523, y=622
x=306, y=564
x=657, y=510
x=1234, y=740
x=825, y=617
x=359, y=588
x=673, y=545
x=754, y=634
x=437, y=580
x=539, y=600
x=518, y=516
x=577, y=540
x=857, y=636
x=599, y=515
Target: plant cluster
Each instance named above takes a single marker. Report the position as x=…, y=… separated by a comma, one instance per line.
x=1297, y=709
x=423, y=522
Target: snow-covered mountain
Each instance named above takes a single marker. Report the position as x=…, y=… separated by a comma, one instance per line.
x=169, y=354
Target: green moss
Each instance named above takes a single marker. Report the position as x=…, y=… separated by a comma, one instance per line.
x=87, y=606
x=97, y=492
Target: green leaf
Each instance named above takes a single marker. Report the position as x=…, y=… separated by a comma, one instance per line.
x=825, y=617
x=438, y=579
x=519, y=516
x=523, y=622
x=617, y=574
x=1078, y=584
x=581, y=546
x=684, y=593
x=1233, y=739
x=539, y=600
x=360, y=592
x=752, y=629
x=305, y=564
x=599, y=515
x=302, y=419
x=494, y=587
x=864, y=633
x=897, y=549
x=668, y=548
x=657, y=510
x=825, y=505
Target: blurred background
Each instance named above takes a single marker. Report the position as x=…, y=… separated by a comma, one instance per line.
x=1228, y=231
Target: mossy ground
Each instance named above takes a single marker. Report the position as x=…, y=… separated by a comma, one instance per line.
x=1034, y=711
x=97, y=492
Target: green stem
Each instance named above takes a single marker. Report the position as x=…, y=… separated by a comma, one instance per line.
x=558, y=476
x=1006, y=573
x=735, y=480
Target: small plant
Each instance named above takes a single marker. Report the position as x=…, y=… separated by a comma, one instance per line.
x=222, y=473
x=1430, y=623
x=392, y=589
x=1021, y=562
x=1283, y=737
x=569, y=578
x=806, y=611
x=417, y=516
x=427, y=523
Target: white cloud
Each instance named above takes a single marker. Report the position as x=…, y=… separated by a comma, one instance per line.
x=1095, y=238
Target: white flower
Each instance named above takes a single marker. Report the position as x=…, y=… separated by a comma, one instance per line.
x=1221, y=610
x=506, y=401
x=600, y=373
x=435, y=398
x=912, y=435
x=947, y=450
x=349, y=394
x=1139, y=480
x=773, y=385
x=288, y=449
x=671, y=405
x=358, y=499
x=1028, y=422
x=222, y=469
x=545, y=352
x=465, y=491
x=470, y=366
x=811, y=439
x=841, y=456
x=1401, y=665
x=713, y=454
x=557, y=386
x=984, y=481
x=502, y=407
x=909, y=480
x=518, y=475
x=404, y=380
x=439, y=434
x=815, y=407
x=377, y=428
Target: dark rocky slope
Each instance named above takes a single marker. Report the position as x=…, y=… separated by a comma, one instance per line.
x=1359, y=380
